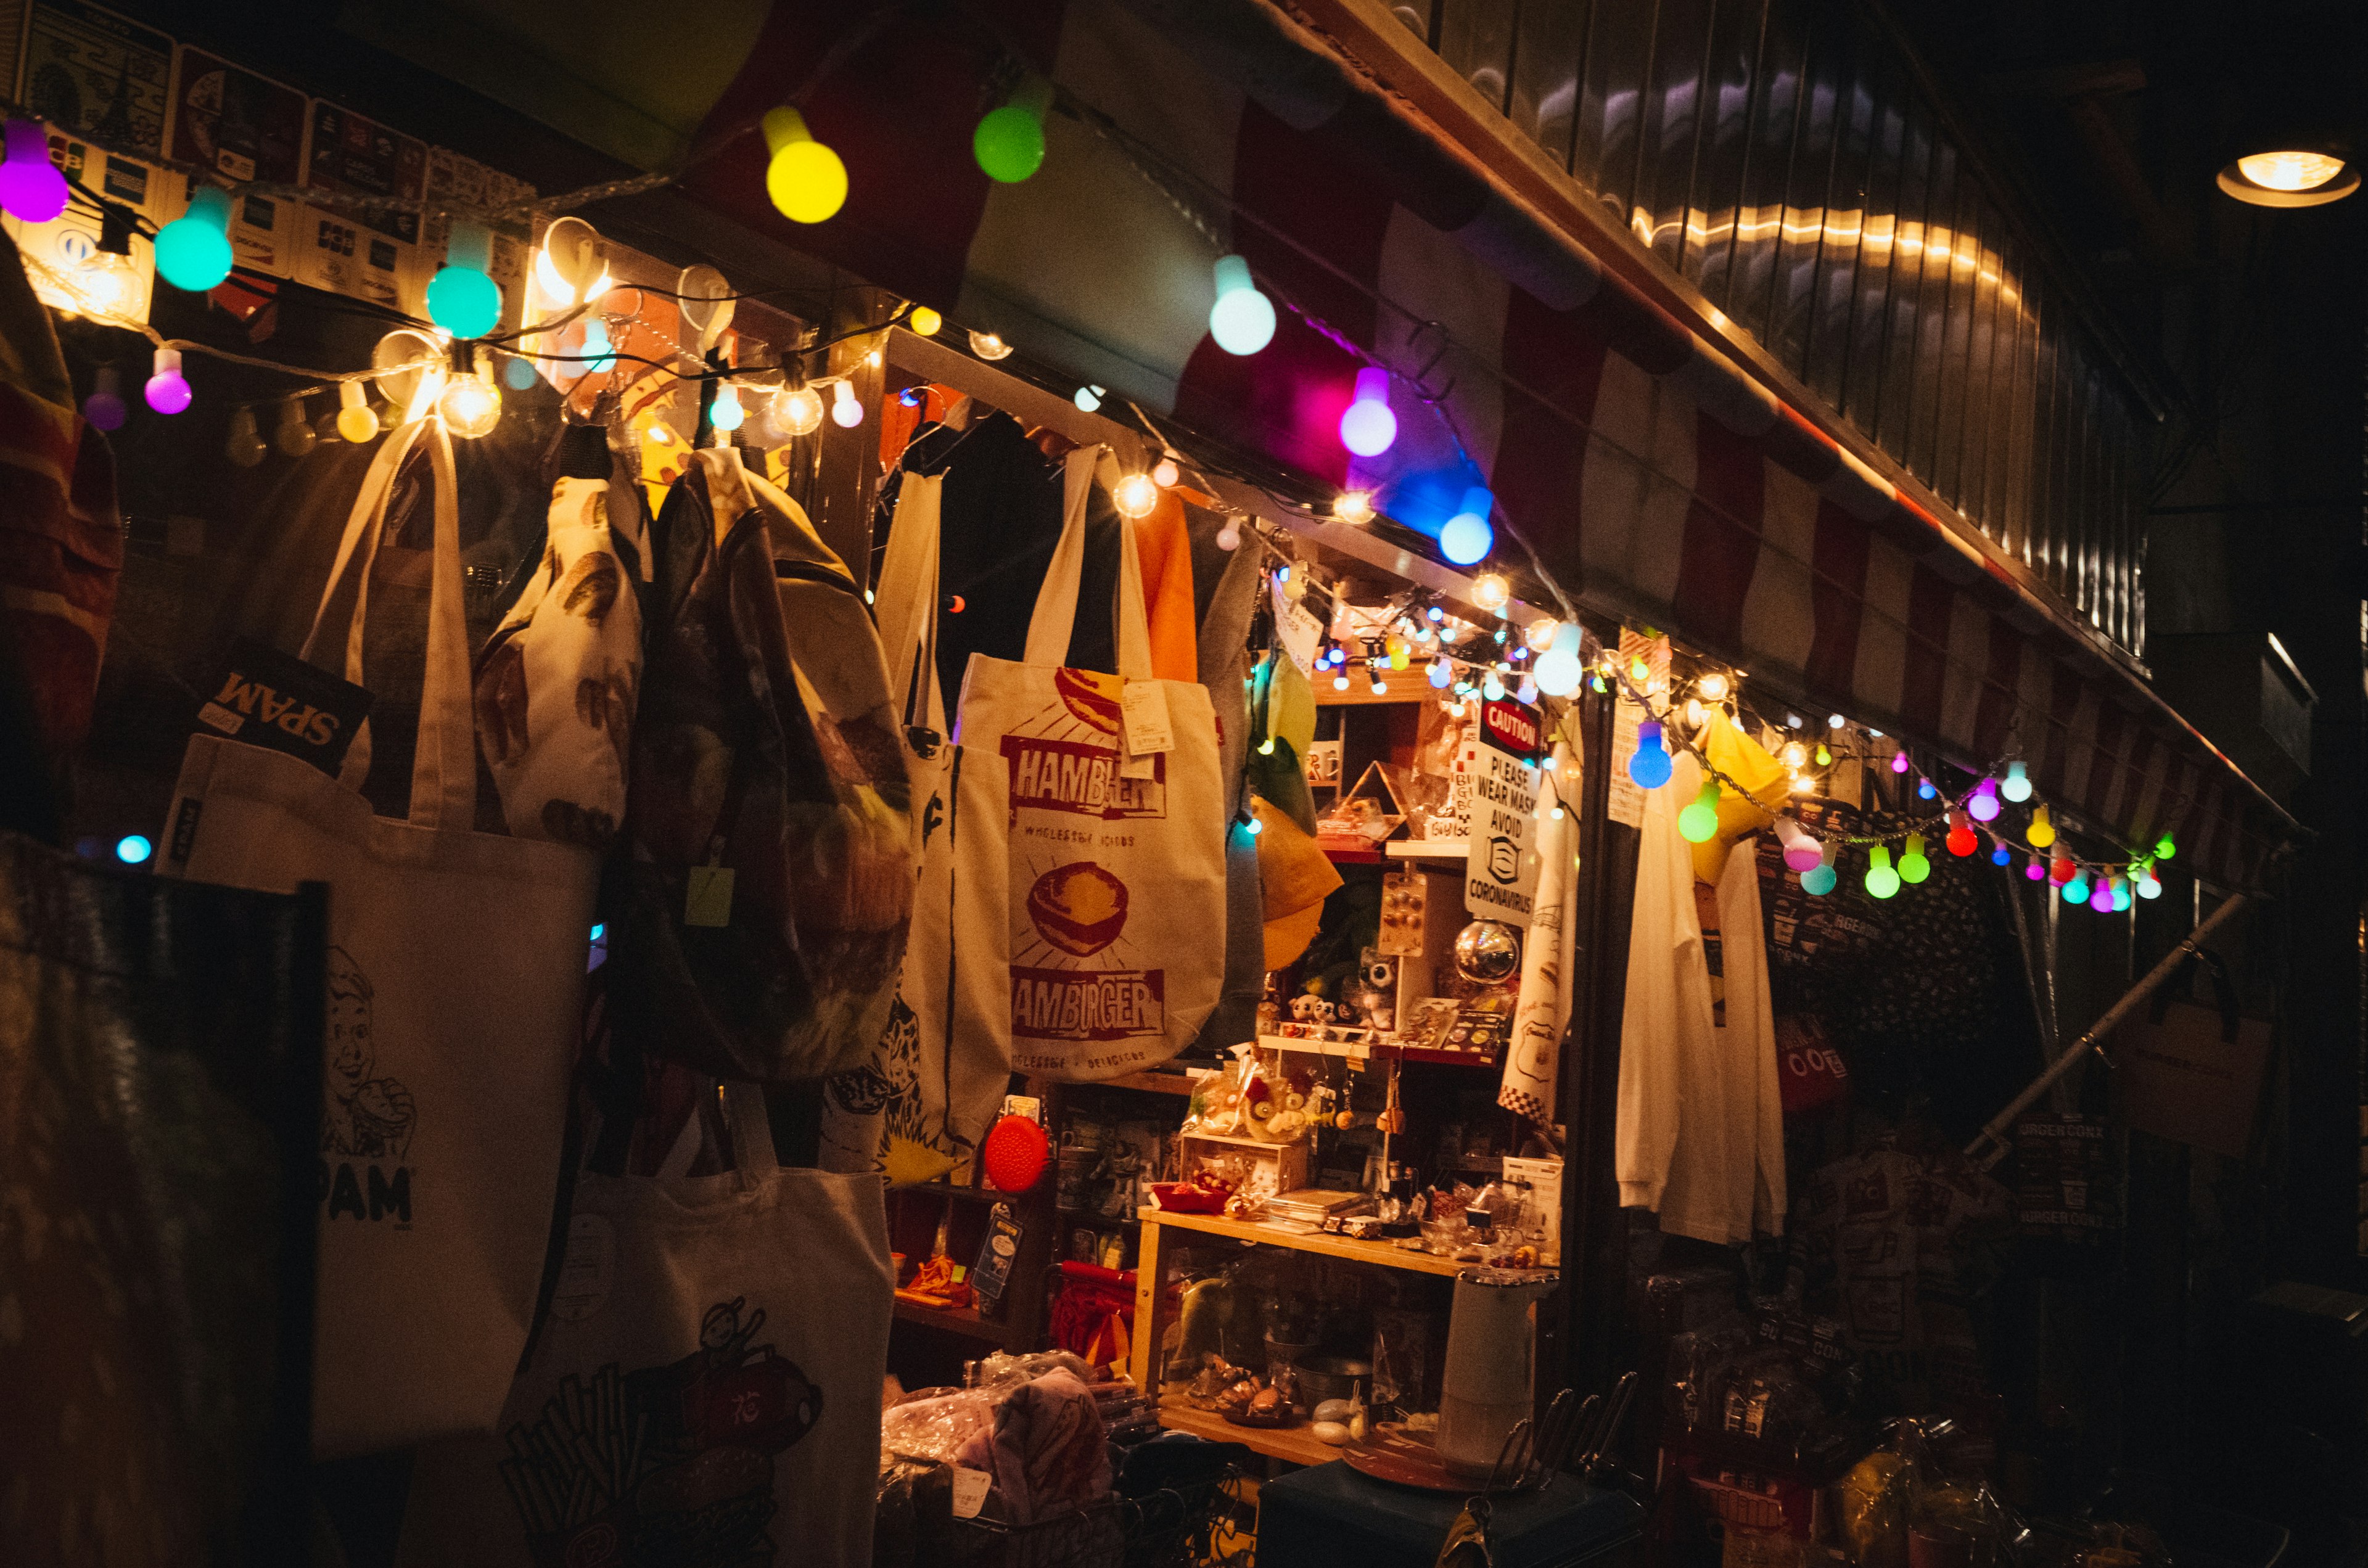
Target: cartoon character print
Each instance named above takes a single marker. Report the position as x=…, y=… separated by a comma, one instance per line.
x=362, y=1117
x=668, y=1467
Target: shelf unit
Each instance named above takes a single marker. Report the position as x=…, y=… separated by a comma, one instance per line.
x=1381, y=1253
x=1293, y=1445
x=963, y=1321
x=1377, y=1050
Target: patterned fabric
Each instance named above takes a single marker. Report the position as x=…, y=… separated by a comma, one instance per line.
x=766, y=869
x=60, y=539
x=557, y=680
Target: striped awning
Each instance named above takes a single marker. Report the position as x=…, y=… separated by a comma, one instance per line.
x=1654, y=476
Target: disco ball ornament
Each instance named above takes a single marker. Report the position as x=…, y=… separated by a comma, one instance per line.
x=1488, y=952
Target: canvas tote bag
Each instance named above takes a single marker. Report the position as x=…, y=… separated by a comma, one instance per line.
x=1114, y=859
x=455, y=992
x=704, y=1392
x=924, y=1099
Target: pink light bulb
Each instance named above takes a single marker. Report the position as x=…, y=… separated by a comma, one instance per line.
x=1899, y=762
x=1983, y=805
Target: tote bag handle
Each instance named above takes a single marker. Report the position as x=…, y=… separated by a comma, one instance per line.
x=753, y=1160
x=908, y=602
x=444, y=766
x=1055, y=616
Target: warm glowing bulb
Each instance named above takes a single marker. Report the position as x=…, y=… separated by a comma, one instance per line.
x=1368, y=427
x=1135, y=495
x=1712, y=687
x=470, y=406
x=571, y=264
x=1354, y=506
x=1166, y=475
x=356, y=422
x=805, y=180
x=726, y=412
x=1795, y=755
x=987, y=345
x=1241, y=320
x=106, y=284
x=845, y=408
x=1491, y=592
x=1540, y=633
x=2290, y=170
x=799, y=411
x=924, y=321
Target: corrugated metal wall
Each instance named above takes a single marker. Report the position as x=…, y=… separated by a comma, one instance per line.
x=1783, y=158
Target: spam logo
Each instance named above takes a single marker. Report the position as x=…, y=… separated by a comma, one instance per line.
x=242, y=699
x=1088, y=1004
x=265, y=697
x=1064, y=776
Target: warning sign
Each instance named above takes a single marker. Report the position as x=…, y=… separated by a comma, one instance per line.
x=1500, y=870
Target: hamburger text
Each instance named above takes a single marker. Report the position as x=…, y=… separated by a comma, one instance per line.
x=1062, y=776
x=1060, y=1004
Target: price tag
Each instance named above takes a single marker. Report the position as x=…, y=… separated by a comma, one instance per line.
x=709, y=899
x=1144, y=703
x=970, y=1491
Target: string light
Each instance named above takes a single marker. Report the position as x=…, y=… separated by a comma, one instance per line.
x=1649, y=764
x=1493, y=688
x=193, y=250
x=2016, y=786
x=168, y=391
x=924, y=321
x=1712, y=687
x=31, y=188
x=356, y=421
x=2034, y=871
x=1899, y=762
x=987, y=345
x=726, y=412
x=1882, y=881
x=1135, y=496
x=1924, y=789
x=2002, y=856
x=1441, y=672
x=1795, y=755
x=1698, y=821
x=1467, y=538
x=798, y=411
x=2164, y=850
x=1354, y=506
x=845, y=408
x=1242, y=320
x=1824, y=756
x=2060, y=868
x=1528, y=692
x=1491, y=592
x=2150, y=885
x=1378, y=688
x=1166, y=475
x=1961, y=841
x=1088, y=398
x=1819, y=879
x=1009, y=141
x=1913, y=865
x=104, y=406
x=471, y=406
x=244, y=445
x=1340, y=681
x=1366, y=426
x=462, y=298
x=571, y=266
x=106, y=284
x=1801, y=853
x=1558, y=670
x=1229, y=537
x=2042, y=832
x=805, y=179
x=293, y=436
x=1982, y=804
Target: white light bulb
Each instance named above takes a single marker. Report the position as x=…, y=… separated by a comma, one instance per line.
x=986, y=346
x=1088, y=399
x=1166, y=475
x=726, y=412
x=470, y=407
x=799, y=411
x=846, y=410
x=1491, y=592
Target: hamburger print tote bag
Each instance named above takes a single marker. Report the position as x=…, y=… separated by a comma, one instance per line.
x=1110, y=838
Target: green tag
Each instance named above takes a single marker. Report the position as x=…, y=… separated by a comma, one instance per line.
x=710, y=900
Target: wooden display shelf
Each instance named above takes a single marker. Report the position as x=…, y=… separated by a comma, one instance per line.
x=1292, y=1445
x=1354, y=1251
x=963, y=1321
x=1155, y=1083
x=1353, y=857
x=1378, y=1050
x=1455, y=850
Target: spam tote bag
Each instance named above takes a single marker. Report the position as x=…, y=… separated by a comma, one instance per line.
x=1113, y=835
x=455, y=987
x=927, y=1094
x=705, y=1389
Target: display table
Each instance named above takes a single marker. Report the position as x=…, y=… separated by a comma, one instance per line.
x=1329, y=1515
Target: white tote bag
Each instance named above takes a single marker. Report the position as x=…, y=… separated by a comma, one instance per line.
x=705, y=1390
x=1113, y=859
x=923, y=1100
x=455, y=993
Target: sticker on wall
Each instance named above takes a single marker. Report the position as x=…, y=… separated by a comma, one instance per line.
x=244, y=128
x=90, y=72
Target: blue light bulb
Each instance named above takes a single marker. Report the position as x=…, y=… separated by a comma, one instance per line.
x=1649, y=764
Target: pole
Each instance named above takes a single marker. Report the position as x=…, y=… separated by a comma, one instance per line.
x=1990, y=1145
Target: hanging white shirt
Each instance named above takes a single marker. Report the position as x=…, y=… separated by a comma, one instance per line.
x=1700, y=1136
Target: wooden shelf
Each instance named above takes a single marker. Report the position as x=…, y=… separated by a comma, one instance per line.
x=1155, y=1083
x=1353, y=857
x=1292, y=1445
x=1381, y=1253
x=1380, y=1050
x=963, y=1321
x=1442, y=849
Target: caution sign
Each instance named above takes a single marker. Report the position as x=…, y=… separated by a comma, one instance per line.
x=1500, y=870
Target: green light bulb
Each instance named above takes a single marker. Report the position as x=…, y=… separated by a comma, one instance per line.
x=1882, y=881
x=1698, y=821
x=1913, y=866
x=1009, y=141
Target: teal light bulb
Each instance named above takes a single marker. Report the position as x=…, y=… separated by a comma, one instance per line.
x=464, y=301
x=193, y=250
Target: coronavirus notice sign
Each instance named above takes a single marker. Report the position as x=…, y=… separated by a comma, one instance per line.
x=1500, y=874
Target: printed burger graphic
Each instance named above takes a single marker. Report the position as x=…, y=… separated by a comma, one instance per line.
x=1079, y=909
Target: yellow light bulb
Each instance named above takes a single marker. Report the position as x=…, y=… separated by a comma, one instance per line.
x=805, y=180
x=2290, y=170
x=470, y=407
x=924, y=321
x=1491, y=592
x=1712, y=687
x=2042, y=832
x=1135, y=495
x=356, y=422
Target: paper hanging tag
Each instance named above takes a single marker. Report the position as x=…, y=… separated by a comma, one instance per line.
x=1144, y=704
x=970, y=1491
x=708, y=901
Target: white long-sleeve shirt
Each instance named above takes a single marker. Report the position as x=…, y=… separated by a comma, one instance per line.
x=1700, y=1136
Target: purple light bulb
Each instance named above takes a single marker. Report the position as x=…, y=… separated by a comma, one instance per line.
x=168, y=391
x=32, y=189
